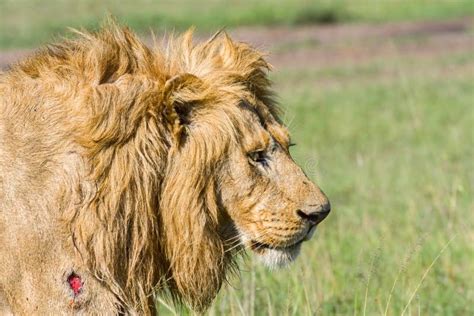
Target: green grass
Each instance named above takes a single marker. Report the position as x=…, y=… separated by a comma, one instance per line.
x=392, y=144
x=25, y=23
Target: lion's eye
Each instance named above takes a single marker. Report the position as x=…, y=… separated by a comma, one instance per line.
x=258, y=156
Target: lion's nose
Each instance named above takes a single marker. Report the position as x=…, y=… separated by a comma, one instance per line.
x=315, y=216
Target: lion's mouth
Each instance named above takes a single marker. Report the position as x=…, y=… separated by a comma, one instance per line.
x=259, y=246
x=276, y=256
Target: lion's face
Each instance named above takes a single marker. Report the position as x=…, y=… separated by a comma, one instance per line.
x=271, y=202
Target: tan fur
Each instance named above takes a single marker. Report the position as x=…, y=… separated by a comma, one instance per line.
x=129, y=166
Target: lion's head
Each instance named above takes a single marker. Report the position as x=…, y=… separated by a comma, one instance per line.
x=184, y=162
x=261, y=199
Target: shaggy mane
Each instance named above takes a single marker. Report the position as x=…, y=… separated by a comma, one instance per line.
x=145, y=217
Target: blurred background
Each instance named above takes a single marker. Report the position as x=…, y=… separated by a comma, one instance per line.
x=379, y=96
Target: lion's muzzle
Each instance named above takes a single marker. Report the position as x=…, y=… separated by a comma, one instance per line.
x=315, y=215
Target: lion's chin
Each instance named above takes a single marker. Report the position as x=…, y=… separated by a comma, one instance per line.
x=278, y=257
x=274, y=256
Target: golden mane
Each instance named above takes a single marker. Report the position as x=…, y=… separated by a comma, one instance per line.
x=145, y=217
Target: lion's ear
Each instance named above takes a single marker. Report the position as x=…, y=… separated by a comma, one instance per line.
x=181, y=95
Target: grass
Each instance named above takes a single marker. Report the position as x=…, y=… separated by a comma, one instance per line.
x=391, y=141
x=26, y=23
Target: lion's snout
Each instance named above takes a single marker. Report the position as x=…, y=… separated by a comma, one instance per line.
x=315, y=214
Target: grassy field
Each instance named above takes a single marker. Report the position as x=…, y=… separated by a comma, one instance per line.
x=25, y=23
x=389, y=136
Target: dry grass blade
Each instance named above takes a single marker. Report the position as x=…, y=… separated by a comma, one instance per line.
x=426, y=273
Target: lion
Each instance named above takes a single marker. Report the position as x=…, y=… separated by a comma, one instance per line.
x=128, y=172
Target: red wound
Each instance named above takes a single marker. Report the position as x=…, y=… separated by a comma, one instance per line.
x=75, y=283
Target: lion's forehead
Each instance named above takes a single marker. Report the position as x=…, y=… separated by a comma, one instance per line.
x=258, y=131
